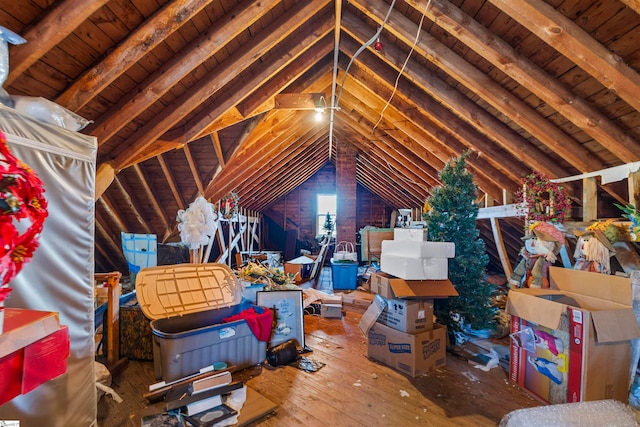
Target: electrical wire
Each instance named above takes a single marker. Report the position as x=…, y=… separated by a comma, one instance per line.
x=362, y=48
x=395, y=87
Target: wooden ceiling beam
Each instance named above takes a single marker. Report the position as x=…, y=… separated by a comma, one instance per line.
x=305, y=51
x=380, y=183
x=265, y=97
x=116, y=250
x=485, y=173
x=281, y=184
x=232, y=116
x=385, y=182
x=56, y=25
x=170, y=73
x=295, y=155
x=112, y=213
x=150, y=196
x=437, y=123
x=129, y=200
x=484, y=87
x=216, y=80
x=439, y=92
x=171, y=182
x=278, y=142
x=386, y=163
x=535, y=79
x=139, y=43
x=194, y=169
x=217, y=148
x=573, y=42
x=633, y=5
x=267, y=128
x=411, y=162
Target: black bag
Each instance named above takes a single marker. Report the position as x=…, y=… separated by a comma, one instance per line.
x=283, y=353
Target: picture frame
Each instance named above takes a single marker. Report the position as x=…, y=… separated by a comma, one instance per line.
x=286, y=306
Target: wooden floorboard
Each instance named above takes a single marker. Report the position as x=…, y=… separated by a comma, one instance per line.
x=350, y=390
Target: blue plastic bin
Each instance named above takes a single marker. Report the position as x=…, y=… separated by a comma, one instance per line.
x=344, y=275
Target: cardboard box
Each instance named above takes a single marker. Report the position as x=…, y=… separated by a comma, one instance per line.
x=412, y=234
x=415, y=268
x=578, y=346
x=371, y=242
x=357, y=301
x=28, y=367
x=411, y=354
x=331, y=310
x=299, y=271
x=410, y=316
x=391, y=287
x=418, y=249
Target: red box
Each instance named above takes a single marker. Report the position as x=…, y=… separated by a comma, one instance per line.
x=23, y=327
x=11, y=376
x=46, y=359
x=28, y=367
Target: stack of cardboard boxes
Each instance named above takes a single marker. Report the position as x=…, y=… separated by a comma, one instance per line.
x=399, y=325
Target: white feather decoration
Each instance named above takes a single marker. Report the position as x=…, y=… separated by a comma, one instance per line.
x=197, y=223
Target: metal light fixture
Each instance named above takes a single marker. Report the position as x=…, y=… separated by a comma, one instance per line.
x=320, y=106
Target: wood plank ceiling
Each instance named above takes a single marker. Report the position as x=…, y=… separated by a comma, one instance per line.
x=182, y=94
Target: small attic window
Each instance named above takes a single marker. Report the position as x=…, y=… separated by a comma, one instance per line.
x=326, y=203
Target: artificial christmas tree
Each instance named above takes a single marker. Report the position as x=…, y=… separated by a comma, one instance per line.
x=328, y=224
x=450, y=214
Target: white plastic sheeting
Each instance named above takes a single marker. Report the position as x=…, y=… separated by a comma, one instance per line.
x=60, y=275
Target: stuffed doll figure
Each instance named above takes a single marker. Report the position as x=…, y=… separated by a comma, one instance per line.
x=595, y=247
x=541, y=247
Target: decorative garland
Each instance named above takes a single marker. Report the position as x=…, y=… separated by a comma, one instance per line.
x=540, y=199
x=23, y=210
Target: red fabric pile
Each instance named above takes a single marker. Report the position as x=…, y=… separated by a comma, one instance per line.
x=259, y=320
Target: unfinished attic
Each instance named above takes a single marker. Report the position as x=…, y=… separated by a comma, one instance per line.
x=319, y=212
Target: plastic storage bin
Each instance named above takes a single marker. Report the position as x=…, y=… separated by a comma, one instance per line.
x=187, y=304
x=344, y=275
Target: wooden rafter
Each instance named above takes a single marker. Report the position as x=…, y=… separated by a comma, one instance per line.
x=167, y=20
x=483, y=86
x=466, y=110
x=305, y=50
x=51, y=30
x=529, y=75
x=127, y=197
x=168, y=176
x=161, y=81
x=212, y=83
x=215, y=141
x=194, y=169
x=150, y=196
x=569, y=39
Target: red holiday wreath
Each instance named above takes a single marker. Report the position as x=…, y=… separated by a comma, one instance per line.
x=23, y=210
x=540, y=199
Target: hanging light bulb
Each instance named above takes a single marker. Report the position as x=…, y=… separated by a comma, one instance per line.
x=378, y=44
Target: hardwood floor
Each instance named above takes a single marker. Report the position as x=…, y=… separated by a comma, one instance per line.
x=350, y=390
